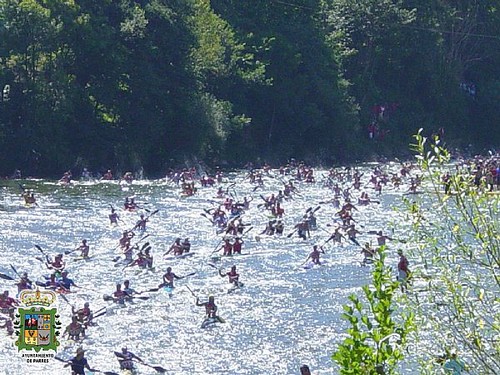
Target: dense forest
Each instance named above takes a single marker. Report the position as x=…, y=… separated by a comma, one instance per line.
x=150, y=83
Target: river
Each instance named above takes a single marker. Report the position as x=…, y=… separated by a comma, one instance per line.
x=283, y=317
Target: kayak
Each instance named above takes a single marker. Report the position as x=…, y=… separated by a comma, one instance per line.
x=168, y=289
x=208, y=322
x=235, y=288
x=182, y=256
x=311, y=265
x=109, y=298
x=79, y=257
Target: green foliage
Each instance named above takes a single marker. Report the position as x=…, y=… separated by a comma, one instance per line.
x=114, y=84
x=460, y=254
x=376, y=338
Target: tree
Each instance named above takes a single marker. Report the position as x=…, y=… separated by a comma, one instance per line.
x=458, y=249
x=378, y=336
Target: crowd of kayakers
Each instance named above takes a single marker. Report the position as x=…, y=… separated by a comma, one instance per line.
x=346, y=191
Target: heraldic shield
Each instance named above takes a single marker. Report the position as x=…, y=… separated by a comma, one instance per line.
x=37, y=327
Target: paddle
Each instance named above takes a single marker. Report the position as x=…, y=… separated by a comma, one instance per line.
x=188, y=288
x=205, y=216
x=67, y=252
x=6, y=277
x=92, y=370
x=213, y=266
x=217, y=246
x=100, y=314
x=15, y=271
x=291, y=233
x=43, y=252
x=156, y=368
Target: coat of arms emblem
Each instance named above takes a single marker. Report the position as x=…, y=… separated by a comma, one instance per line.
x=36, y=324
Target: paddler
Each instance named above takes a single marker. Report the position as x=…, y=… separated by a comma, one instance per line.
x=126, y=238
x=79, y=363
x=233, y=276
x=351, y=234
x=303, y=229
x=381, y=238
x=24, y=283
x=7, y=304
x=210, y=307
x=270, y=228
x=279, y=227
x=237, y=245
x=57, y=264
x=128, y=290
x=113, y=217
x=128, y=177
x=336, y=236
x=368, y=253
x=75, y=329
x=403, y=271
x=66, y=178
x=29, y=197
x=108, y=176
x=176, y=248
x=126, y=359
x=186, y=245
x=141, y=223
x=148, y=258
x=84, y=249
x=66, y=282
x=315, y=254
x=312, y=221
x=84, y=314
x=304, y=370
x=128, y=251
x=168, y=278
x=227, y=247
x=119, y=295
x=52, y=283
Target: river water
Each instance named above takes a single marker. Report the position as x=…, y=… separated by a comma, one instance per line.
x=283, y=317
